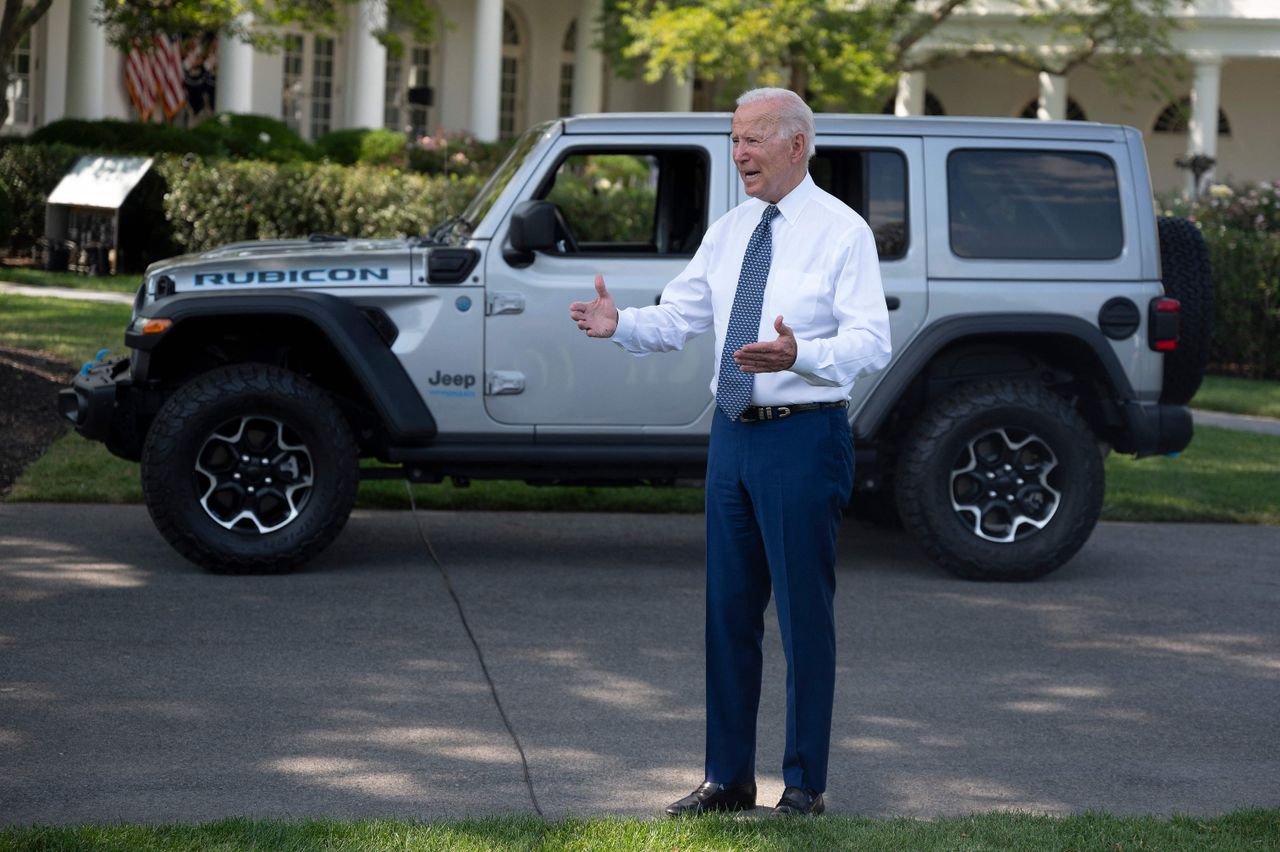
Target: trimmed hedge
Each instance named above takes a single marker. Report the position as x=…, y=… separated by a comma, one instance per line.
x=209, y=204
x=112, y=136
x=362, y=145
x=254, y=137
x=1242, y=228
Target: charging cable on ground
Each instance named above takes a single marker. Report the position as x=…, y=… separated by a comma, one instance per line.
x=462, y=616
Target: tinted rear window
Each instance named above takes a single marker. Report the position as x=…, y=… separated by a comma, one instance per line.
x=874, y=183
x=1042, y=205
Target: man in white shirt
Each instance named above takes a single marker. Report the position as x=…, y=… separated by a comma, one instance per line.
x=790, y=282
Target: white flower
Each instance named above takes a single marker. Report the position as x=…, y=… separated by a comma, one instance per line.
x=603, y=185
x=264, y=137
x=1220, y=190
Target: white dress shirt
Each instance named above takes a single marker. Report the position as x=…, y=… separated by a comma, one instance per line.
x=824, y=280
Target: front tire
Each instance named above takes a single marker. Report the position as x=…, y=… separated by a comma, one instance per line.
x=1001, y=480
x=249, y=469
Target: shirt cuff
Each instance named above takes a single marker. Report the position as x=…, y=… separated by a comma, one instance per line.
x=806, y=357
x=626, y=327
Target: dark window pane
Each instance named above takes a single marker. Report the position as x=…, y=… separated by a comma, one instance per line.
x=874, y=183
x=1048, y=205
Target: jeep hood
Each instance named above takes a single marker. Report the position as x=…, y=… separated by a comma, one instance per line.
x=291, y=263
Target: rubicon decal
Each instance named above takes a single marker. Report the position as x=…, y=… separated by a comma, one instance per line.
x=338, y=275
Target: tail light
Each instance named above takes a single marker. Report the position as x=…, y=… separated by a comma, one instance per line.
x=1162, y=323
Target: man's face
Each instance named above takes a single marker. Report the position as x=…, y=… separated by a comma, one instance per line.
x=770, y=165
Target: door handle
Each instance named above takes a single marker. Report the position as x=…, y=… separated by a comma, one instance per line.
x=892, y=302
x=504, y=303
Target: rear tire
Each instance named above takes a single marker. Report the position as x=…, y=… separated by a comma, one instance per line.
x=249, y=469
x=1000, y=480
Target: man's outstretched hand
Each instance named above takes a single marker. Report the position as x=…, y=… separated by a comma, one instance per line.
x=598, y=318
x=772, y=357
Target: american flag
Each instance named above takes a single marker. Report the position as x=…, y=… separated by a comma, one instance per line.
x=140, y=80
x=166, y=59
x=153, y=76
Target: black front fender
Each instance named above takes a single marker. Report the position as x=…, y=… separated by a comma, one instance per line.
x=359, y=340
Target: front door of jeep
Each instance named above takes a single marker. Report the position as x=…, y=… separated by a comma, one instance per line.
x=636, y=213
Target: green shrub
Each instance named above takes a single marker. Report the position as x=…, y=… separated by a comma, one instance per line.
x=112, y=136
x=255, y=137
x=384, y=148
x=616, y=214
x=30, y=172
x=353, y=145
x=209, y=204
x=1242, y=229
x=6, y=209
x=341, y=146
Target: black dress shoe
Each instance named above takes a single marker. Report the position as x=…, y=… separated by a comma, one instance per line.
x=715, y=797
x=797, y=801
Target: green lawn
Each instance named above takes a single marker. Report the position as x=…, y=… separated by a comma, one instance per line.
x=71, y=330
x=1224, y=476
x=40, y=278
x=1242, y=830
x=1239, y=396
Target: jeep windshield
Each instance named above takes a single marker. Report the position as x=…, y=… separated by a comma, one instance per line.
x=488, y=194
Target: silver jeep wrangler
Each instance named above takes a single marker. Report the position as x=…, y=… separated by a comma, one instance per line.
x=1041, y=315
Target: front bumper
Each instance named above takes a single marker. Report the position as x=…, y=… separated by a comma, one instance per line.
x=102, y=405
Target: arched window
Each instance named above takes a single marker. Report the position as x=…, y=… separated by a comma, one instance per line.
x=1075, y=112
x=511, y=102
x=1175, y=117
x=568, y=52
x=932, y=106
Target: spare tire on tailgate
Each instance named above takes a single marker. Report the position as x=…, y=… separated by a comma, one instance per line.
x=1187, y=277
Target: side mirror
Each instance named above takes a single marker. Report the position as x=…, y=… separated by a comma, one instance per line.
x=533, y=226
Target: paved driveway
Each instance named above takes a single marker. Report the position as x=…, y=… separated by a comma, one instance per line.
x=1143, y=677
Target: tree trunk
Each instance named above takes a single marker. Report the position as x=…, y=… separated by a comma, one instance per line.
x=800, y=78
x=4, y=87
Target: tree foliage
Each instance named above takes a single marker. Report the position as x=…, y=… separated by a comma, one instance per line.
x=847, y=55
x=255, y=21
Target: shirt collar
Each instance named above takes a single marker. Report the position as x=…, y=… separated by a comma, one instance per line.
x=794, y=201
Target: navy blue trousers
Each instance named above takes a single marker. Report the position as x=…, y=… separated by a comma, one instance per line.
x=775, y=494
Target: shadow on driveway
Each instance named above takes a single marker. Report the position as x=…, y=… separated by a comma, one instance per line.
x=1142, y=677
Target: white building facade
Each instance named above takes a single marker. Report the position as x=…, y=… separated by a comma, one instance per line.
x=497, y=66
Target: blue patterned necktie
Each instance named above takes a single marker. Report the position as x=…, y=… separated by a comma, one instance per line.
x=733, y=387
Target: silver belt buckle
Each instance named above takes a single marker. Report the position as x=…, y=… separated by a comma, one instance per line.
x=783, y=411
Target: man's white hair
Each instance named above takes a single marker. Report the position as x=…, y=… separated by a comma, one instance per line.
x=793, y=114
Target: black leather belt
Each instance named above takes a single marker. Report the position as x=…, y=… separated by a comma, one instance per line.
x=756, y=413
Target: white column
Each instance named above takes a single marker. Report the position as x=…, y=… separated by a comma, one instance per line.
x=1052, y=103
x=678, y=96
x=367, y=65
x=486, y=70
x=910, y=97
x=1202, y=131
x=588, y=62
x=234, y=92
x=57, y=23
x=87, y=50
